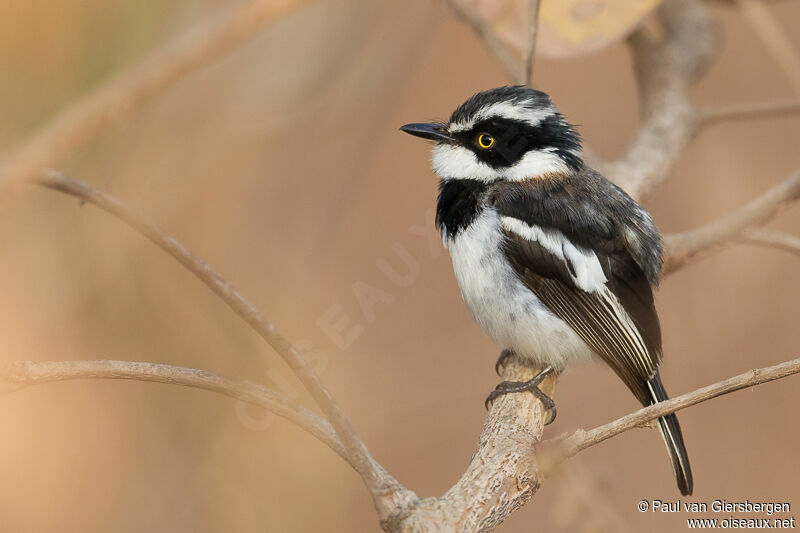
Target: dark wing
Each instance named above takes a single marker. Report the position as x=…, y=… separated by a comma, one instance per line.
x=600, y=291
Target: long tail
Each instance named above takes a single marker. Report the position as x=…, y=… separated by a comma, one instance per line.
x=673, y=438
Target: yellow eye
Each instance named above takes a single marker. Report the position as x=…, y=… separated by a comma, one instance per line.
x=485, y=141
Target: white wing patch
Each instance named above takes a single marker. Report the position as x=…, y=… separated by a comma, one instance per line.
x=583, y=264
x=587, y=274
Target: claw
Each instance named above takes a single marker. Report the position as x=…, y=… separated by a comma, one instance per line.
x=501, y=361
x=532, y=385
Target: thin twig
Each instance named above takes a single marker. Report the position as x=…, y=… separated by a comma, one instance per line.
x=508, y=60
x=381, y=485
x=713, y=115
x=775, y=239
x=26, y=373
x=580, y=440
x=530, y=55
x=682, y=247
x=118, y=98
x=774, y=37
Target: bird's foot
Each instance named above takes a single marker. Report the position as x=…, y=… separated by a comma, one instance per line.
x=500, y=365
x=532, y=385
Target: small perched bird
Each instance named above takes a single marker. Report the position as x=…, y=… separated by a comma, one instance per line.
x=554, y=262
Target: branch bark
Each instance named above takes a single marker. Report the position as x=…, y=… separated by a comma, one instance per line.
x=502, y=475
x=118, y=98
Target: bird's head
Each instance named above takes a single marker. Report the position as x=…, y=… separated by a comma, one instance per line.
x=512, y=133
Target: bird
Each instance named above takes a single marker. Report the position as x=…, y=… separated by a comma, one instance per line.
x=555, y=263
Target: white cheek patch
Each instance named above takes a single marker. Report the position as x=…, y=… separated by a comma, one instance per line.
x=588, y=273
x=451, y=161
x=509, y=110
x=457, y=162
x=534, y=164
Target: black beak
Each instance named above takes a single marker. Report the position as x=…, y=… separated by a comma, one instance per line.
x=432, y=130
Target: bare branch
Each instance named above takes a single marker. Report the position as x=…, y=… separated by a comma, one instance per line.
x=118, y=98
x=26, y=373
x=505, y=471
x=580, y=440
x=776, y=239
x=665, y=70
x=774, y=37
x=530, y=54
x=682, y=247
x=382, y=487
x=713, y=115
x=497, y=48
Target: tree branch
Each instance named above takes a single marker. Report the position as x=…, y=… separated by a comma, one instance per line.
x=713, y=115
x=580, y=440
x=507, y=59
x=683, y=247
x=776, y=239
x=383, y=488
x=504, y=473
x=118, y=98
x=27, y=373
x=530, y=53
x=665, y=70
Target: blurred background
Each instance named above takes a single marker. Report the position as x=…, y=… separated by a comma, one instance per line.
x=281, y=165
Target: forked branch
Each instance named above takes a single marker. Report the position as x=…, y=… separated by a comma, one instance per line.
x=505, y=471
x=379, y=484
x=686, y=246
x=665, y=71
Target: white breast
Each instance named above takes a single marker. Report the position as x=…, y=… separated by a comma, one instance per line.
x=501, y=305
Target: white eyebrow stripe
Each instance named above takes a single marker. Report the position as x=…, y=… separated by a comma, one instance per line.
x=508, y=110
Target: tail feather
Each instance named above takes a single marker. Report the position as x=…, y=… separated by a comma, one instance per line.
x=673, y=438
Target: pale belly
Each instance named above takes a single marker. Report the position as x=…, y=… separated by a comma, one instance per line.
x=501, y=305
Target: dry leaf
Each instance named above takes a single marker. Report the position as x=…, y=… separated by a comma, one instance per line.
x=567, y=28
